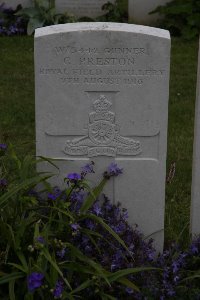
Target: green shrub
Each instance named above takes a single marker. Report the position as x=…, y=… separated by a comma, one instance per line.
x=114, y=12
x=180, y=17
x=43, y=14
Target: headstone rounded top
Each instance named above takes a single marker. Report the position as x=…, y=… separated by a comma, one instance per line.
x=101, y=26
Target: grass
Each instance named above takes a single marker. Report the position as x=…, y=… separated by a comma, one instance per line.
x=17, y=92
x=17, y=118
x=180, y=136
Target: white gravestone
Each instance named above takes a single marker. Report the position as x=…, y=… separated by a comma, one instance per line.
x=79, y=8
x=102, y=95
x=82, y=8
x=195, y=195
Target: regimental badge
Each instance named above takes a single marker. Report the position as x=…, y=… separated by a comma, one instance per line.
x=103, y=135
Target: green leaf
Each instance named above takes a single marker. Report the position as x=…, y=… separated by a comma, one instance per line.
x=36, y=231
x=128, y=283
x=12, y=276
x=109, y=229
x=190, y=277
x=77, y=267
x=61, y=211
x=98, y=268
x=33, y=24
x=12, y=289
x=47, y=255
x=12, y=234
x=107, y=297
x=21, y=186
x=115, y=276
x=93, y=195
x=29, y=12
x=23, y=260
x=44, y=4
x=81, y=287
x=28, y=296
x=49, y=160
x=21, y=268
x=14, y=157
x=27, y=167
x=87, y=232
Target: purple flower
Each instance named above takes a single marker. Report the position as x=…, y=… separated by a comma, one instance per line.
x=34, y=281
x=77, y=196
x=3, y=147
x=57, y=292
x=108, y=206
x=151, y=254
x=114, y=170
x=195, y=246
x=75, y=226
x=3, y=183
x=171, y=292
x=40, y=240
x=85, y=240
x=73, y=176
x=96, y=209
x=176, y=279
x=61, y=253
x=54, y=194
x=121, y=227
x=175, y=266
x=113, y=267
x=125, y=215
x=129, y=290
x=90, y=224
x=88, y=168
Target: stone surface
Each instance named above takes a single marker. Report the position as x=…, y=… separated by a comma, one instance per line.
x=195, y=195
x=13, y=3
x=138, y=11
x=80, y=8
x=102, y=95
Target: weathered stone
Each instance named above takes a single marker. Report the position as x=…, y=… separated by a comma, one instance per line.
x=195, y=201
x=80, y=8
x=102, y=95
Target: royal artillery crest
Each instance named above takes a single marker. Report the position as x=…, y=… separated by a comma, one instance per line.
x=103, y=135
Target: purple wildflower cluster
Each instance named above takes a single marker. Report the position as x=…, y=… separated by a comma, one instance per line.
x=59, y=288
x=112, y=256
x=9, y=23
x=170, y=283
x=74, y=178
x=95, y=242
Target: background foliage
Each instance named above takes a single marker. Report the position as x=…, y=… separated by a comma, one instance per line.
x=181, y=18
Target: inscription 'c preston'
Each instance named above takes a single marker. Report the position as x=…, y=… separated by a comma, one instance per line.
x=106, y=61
